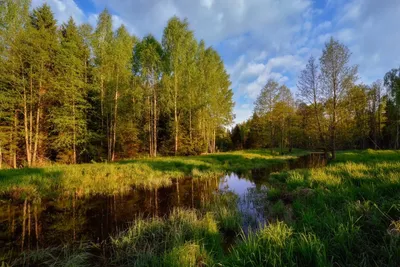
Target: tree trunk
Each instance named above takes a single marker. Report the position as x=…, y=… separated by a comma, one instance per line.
x=397, y=132
x=214, y=143
x=1, y=157
x=190, y=126
x=149, y=127
x=36, y=135
x=109, y=135
x=154, y=122
x=11, y=147
x=14, y=154
x=74, y=133
x=28, y=152
x=175, y=112
x=321, y=136
x=333, y=128
x=115, y=120
x=102, y=102
x=27, y=133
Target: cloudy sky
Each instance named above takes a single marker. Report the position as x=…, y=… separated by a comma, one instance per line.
x=262, y=39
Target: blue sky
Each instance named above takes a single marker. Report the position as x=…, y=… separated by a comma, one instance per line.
x=262, y=39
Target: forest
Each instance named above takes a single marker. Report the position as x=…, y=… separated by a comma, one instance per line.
x=331, y=111
x=117, y=150
x=72, y=93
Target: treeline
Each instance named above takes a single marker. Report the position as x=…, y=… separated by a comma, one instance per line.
x=72, y=93
x=331, y=112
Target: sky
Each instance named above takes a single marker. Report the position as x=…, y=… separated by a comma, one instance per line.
x=262, y=39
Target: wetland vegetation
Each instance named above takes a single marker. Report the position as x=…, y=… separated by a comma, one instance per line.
x=343, y=214
x=117, y=150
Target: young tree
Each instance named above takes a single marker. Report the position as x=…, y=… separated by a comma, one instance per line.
x=376, y=112
x=122, y=73
x=310, y=92
x=102, y=50
x=148, y=65
x=218, y=96
x=265, y=103
x=392, y=82
x=337, y=76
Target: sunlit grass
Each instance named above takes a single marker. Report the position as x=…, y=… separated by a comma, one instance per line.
x=350, y=206
x=119, y=177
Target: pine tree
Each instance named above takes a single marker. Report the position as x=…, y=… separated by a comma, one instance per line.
x=70, y=105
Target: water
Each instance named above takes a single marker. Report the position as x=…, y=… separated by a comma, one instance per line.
x=25, y=226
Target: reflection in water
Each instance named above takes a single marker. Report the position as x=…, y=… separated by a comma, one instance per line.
x=72, y=218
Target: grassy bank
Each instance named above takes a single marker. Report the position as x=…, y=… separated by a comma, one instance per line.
x=346, y=214
x=111, y=178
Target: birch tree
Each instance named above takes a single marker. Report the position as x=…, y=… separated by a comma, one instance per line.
x=148, y=65
x=175, y=42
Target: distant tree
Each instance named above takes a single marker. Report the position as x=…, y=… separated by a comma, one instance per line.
x=275, y=103
x=376, y=108
x=392, y=82
x=337, y=77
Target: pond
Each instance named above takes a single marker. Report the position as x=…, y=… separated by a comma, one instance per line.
x=46, y=223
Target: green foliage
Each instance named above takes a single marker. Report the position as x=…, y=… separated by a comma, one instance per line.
x=71, y=94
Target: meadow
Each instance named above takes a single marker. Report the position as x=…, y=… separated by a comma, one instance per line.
x=344, y=214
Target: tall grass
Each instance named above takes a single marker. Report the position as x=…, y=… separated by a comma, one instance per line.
x=185, y=237
x=351, y=207
x=113, y=178
x=278, y=245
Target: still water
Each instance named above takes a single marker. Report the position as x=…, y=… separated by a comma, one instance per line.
x=45, y=223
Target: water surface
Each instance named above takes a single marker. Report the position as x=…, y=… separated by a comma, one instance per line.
x=45, y=223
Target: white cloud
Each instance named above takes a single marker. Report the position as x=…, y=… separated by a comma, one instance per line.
x=207, y=3
x=262, y=39
x=263, y=55
x=371, y=30
x=252, y=76
x=323, y=26
x=213, y=21
x=63, y=10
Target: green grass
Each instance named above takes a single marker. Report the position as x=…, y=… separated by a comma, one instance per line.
x=345, y=214
x=351, y=208
x=112, y=178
